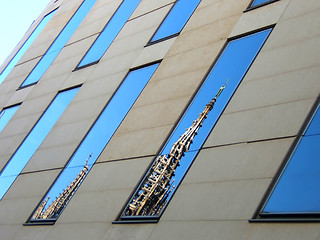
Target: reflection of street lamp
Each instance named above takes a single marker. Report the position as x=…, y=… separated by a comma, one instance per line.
x=152, y=194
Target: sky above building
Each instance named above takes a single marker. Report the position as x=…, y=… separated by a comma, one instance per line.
x=16, y=16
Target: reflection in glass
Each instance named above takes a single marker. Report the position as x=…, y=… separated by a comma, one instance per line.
x=59, y=43
x=25, y=46
x=35, y=137
x=176, y=19
x=110, y=32
x=233, y=64
x=94, y=143
x=258, y=2
x=6, y=114
x=297, y=190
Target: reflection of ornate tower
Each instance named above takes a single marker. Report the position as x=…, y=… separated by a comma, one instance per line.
x=151, y=197
x=56, y=207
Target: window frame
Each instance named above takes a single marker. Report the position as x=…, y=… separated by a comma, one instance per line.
x=150, y=42
x=258, y=215
x=4, y=109
x=96, y=39
x=21, y=144
x=48, y=51
x=51, y=221
x=21, y=47
x=120, y=219
x=251, y=7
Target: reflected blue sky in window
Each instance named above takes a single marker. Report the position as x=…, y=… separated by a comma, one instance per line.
x=59, y=43
x=110, y=32
x=31, y=143
x=25, y=46
x=176, y=19
x=6, y=114
x=297, y=188
x=258, y=2
x=103, y=129
x=233, y=65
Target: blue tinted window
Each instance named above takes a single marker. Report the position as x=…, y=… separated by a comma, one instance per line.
x=35, y=137
x=59, y=43
x=260, y=2
x=176, y=19
x=296, y=191
x=25, y=46
x=233, y=64
x=98, y=137
x=6, y=114
x=110, y=32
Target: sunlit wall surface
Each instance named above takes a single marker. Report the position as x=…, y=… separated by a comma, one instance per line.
x=59, y=43
x=176, y=19
x=25, y=46
x=31, y=143
x=109, y=33
x=6, y=114
x=233, y=64
x=297, y=190
x=102, y=130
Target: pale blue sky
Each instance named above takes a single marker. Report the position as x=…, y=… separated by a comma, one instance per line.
x=16, y=16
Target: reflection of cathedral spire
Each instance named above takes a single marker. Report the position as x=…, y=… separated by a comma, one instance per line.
x=56, y=207
x=152, y=194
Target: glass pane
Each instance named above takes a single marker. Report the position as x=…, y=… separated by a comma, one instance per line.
x=25, y=46
x=6, y=114
x=297, y=188
x=314, y=127
x=59, y=43
x=95, y=141
x=232, y=64
x=31, y=143
x=110, y=32
x=258, y=2
x=176, y=19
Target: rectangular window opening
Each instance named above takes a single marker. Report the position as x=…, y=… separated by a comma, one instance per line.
x=175, y=20
x=109, y=33
x=33, y=140
x=6, y=114
x=25, y=46
x=293, y=195
x=85, y=156
x=259, y=3
x=58, y=44
x=168, y=169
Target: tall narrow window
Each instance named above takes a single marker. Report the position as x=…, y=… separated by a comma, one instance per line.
x=109, y=33
x=295, y=193
x=25, y=46
x=175, y=20
x=92, y=145
x=6, y=114
x=59, y=43
x=35, y=137
x=168, y=169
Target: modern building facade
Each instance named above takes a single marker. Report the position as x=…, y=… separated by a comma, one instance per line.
x=163, y=119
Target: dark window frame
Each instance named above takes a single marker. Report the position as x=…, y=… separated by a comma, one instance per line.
x=97, y=61
x=22, y=86
x=150, y=42
x=250, y=7
x=35, y=222
x=258, y=215
x=155, y=219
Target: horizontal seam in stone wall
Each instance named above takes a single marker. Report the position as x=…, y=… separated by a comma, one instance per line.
x=272, y=105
